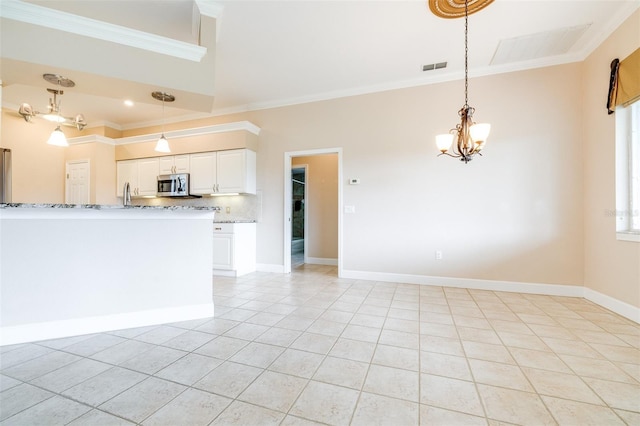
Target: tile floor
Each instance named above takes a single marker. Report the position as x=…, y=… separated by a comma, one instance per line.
x=309, y=348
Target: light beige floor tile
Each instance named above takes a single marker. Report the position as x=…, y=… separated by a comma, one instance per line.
x=596, y=368
x=238, y=314
x=70, y=375
x=471, y=322
x=17, y=354
x=452, y=366
x=404, y=314
x=273, y=390
x=552, y=331
x=443, y=345
x=479, y=335
x=298, y=421
x=399, y=338
x=100, y=418
x=278, y=336
x=314, y=343
x=246, y=331
x=618, y=353
x=189, y=369
x=189, y=340
x=326, y=403
x=40, y=366
x=122, y=352
x=632, y=370
x=439, y=330
x=153, y=360
x=337, y=316
x=192, y=407
x=65, y=341
x=617, y=395
x=297, y=363
x=217, y=326
x=19, y=398
x=367, y=320
x=498, y=374
x=579, y=413
x=393, y=382
x=104, y=386
x=356, y=350
x=266, y=318
x=539, y=359
x=94, y=344
x=404, y=325
x=222, y=347
x=523, y=341
x=393, y=356
x=451, y=394
x=343, y=372
x=7, y=382
x=631, y=418
x=257, y=354
x=437, y=308
x=160, y=334
x=514, y=406
x=599, y=337
x=54, y=411
x=538, y=319
x=433, y=416
x=358, y=332
x=381, y=410
x=561, y=385
x=571, y=347
x=143, y=399
x=630, y=340
x=228, y=379
x=487, y=352
x=241, y=413
x=515, y=327
x=437, y=318
x=373, y=310
x=327, y=328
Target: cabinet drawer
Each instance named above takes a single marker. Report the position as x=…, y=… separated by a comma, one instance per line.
x=223, y=228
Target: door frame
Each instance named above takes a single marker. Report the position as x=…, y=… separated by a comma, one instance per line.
x=66, y=183
x=288, y=190
x=306, y=210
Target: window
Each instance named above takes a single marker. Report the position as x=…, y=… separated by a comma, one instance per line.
x=628, y=172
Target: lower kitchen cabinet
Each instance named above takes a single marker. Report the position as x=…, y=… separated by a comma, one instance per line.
x=234, y=248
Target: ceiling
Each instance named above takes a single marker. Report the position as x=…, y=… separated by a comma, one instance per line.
x=219, y=57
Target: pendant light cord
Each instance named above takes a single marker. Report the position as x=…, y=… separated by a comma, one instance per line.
x=466, y=53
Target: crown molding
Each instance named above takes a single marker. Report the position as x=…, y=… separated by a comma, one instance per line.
x=217, y=128
x=209, y=8
x=90, y=139
x=67, y=22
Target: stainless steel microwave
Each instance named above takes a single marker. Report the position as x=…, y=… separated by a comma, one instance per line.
x=175, y=185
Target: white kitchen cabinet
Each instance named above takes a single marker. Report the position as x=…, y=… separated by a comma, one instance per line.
x=203, y=175
x=234, y=248
x=223, y=172
x=237, y=171
x=172, y=164
x=142, y=176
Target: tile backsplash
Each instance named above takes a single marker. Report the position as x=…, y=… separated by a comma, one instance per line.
x=232, y=207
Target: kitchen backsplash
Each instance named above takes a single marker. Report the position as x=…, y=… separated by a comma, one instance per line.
x=232, y=207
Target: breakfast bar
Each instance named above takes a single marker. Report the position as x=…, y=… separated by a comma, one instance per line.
x=68, y=270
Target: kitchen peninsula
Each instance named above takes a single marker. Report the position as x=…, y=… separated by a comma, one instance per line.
x=76, y=269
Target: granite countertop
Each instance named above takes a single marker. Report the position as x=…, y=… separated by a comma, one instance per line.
x=235, y=221
x=99, y=207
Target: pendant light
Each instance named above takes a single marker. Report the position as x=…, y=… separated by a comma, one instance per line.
x=58, y=138
x=163, y=144
x=470, y=137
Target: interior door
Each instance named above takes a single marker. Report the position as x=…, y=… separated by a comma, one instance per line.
x=77, y=189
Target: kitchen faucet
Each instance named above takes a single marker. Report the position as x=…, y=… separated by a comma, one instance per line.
x=126, y=194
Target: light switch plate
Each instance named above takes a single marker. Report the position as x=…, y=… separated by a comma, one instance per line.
x=349, y=209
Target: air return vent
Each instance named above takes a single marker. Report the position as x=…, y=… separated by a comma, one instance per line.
x=539, y=45
x=434, y=66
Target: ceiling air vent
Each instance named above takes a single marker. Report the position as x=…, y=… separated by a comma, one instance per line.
x=539, y=45
x=434, y=66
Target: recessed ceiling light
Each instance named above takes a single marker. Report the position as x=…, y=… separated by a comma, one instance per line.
x=128, y=102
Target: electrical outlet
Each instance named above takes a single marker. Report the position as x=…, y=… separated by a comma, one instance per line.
x=438, y=254
x=228, y=210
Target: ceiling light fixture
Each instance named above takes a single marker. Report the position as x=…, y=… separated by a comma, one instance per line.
x=53, y=111
x=470, y=137
x=163, y=145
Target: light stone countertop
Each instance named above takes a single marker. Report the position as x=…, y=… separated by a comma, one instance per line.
x=99, y=207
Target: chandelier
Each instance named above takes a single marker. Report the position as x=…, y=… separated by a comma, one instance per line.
x=470, y=138
x=53, y=113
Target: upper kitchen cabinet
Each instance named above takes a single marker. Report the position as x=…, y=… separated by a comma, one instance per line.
x=141, y=174
x=223, y=172
x=174, y=164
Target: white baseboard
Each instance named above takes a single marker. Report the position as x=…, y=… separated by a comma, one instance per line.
x=615, y=305
x=269, y=267
x=320, y=261
x=518, y=287
x=75, y=327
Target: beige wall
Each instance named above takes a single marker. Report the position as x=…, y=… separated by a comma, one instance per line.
x=611, y=267
x=322, y=204
x=103, y=172
x=37, y=168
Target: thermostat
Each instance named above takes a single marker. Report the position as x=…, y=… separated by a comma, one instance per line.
x=354, y=181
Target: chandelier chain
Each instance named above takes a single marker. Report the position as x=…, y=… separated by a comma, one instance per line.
x=466, y=53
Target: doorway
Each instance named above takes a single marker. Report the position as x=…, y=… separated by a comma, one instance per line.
x=299, y=221
x=317, y=233
x=77, y=189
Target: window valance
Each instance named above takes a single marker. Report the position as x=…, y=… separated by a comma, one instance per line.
x=624, y=83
